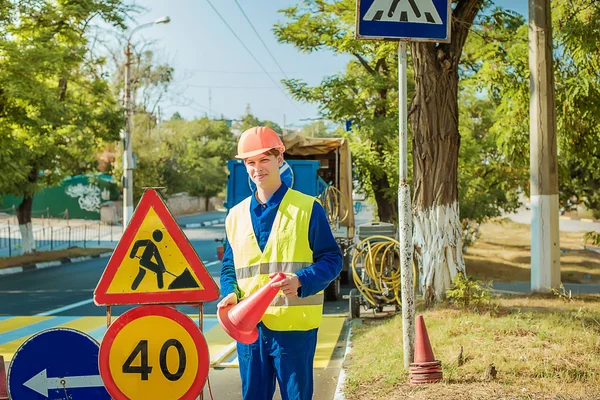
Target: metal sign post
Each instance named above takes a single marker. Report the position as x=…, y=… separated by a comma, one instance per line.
x=405, y=216
x=404, y=20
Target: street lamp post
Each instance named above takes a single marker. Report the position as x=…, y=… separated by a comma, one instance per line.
x=127, y=181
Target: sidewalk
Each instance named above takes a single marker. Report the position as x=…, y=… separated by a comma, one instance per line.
x=525, y=287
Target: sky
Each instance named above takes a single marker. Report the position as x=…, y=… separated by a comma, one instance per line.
x=215, y=75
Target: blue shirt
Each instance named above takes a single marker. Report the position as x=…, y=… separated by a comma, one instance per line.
x=327, y=256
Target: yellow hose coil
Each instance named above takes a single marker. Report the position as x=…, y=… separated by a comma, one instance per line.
x=381, y=261
x=332, y=200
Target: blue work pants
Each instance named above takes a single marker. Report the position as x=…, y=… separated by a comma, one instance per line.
x=283, y=355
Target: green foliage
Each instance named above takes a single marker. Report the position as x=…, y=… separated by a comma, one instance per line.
x=248, y=121
x=497, y=65
x=55, y=106
x=182, y=156
x=366, y=93
x=469, y=293
x=563, y=294
x=488, y=186
x=592, y=237
x=317, y=129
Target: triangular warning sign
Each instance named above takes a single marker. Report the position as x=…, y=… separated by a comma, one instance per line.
x=154, y=263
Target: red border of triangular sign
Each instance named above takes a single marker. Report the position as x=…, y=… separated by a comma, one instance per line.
x=210, y=292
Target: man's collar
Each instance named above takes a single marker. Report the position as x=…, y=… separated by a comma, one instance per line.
x=274, y=200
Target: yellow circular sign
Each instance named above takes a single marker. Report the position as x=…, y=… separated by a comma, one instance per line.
x=154, y=352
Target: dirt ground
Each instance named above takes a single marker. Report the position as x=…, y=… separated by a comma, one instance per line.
x=502, y=254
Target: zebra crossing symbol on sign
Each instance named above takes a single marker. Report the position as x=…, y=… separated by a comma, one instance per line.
x=421, y=20
x=403, y=11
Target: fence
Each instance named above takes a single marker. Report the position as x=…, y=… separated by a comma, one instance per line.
x=59, y=237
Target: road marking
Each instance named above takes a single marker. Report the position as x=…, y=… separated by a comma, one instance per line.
x=88, y=301
x=15, y=330
x=65, y=308
x=327, y=338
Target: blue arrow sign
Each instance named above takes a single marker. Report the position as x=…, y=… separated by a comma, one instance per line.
x=56, y=364
x=417, y=20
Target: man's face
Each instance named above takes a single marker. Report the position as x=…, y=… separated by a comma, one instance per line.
x=264, y=170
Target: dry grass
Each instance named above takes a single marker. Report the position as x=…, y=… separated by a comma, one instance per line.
x=542, y=347
x=503, y=254
x=43, y=256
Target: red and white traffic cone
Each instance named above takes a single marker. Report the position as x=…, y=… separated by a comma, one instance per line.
x=240, y=320
x=3, y=389
x=425, y=368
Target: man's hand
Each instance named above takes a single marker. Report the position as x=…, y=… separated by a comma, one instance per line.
x=229, y=300
x=289, y=285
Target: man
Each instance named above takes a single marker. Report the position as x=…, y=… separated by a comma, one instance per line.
x=278, y=229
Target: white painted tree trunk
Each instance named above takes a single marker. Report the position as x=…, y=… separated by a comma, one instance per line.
x=27, y=241
x=438, y=238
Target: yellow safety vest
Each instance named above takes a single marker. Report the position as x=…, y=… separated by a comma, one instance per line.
x=287, y=250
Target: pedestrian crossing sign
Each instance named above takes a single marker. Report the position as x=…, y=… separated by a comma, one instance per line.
x=154, y=263
x=414, y=20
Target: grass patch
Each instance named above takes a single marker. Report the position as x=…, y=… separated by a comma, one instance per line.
x=44, y=256
x=503, y=254
x=542, y=347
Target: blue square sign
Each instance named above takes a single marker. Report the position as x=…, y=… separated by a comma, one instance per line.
x=416, y=20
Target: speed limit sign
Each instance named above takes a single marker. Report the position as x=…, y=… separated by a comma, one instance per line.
x=153, y=352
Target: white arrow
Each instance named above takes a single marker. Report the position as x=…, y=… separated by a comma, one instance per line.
x=41, y=383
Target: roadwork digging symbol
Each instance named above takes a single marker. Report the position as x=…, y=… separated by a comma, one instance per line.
x=153, y=242
x=151, y=261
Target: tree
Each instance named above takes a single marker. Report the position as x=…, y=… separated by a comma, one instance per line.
x=176, y=116
x=54, y=104
x=488, y=186
x=317, y=129
x=205, y=146
x=248, y=121
x=183, y=156
x=498, y=66
x=367, y=94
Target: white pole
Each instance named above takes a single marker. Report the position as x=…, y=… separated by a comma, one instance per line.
x=405, y=216
x=127, y=155
x=545, y=238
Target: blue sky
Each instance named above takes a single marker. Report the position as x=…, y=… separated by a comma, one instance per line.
x=213, y=70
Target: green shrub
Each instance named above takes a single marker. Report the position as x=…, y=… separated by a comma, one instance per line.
x=468, y=292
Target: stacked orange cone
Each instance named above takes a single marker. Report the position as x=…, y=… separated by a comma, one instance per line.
x=3, y=389
x=425, y=368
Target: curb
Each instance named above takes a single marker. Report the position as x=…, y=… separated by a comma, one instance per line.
x=339, y=389
x=579, y=219
x=203, y=224
x=49, y=264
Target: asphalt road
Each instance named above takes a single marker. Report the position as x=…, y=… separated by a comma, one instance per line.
x=56, y=291
x=67, y=291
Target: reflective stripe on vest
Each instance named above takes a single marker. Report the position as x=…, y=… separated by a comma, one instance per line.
x=287, y=250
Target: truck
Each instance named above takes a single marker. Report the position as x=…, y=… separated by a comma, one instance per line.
x=319, y=167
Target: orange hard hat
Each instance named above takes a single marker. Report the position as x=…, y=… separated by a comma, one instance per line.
x=258, y=140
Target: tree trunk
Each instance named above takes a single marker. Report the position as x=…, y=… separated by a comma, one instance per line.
x=437, y=229
x=206, y=203
x=24, y=218
x=386, y=208
x=436, y=141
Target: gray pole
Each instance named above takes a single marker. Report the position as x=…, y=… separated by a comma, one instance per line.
x=545, y=246
x=405, y=216
x=127, y=156
x=127, y=181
